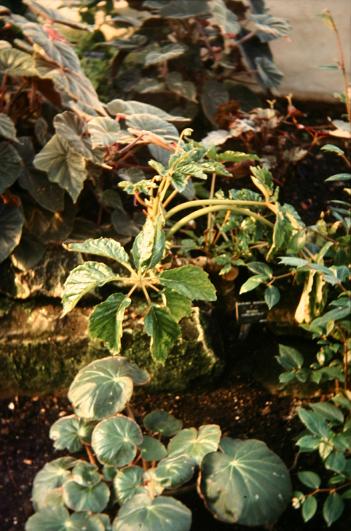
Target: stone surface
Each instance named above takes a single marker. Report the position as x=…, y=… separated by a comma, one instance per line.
x=41, y=352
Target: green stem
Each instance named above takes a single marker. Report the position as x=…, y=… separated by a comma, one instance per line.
x=202, y=202
x=207, y=210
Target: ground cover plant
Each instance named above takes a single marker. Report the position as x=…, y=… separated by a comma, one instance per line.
x=167, y=224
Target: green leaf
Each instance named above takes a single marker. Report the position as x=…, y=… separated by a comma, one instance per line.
x=268, y=73
x=339, y=177
x=85, y=498
x=82, y=279
x=49, y=195
x=336, y=462
x=269, y=28
x=16, y=63
x=105, y=132
x=115, y=440
x=69, y=433
x=252, y=283
x=163, y=330
x=190, y=281
x=178, y=305
x=149, y=245
x=195, y=443
x=71, y=128
x=159, y=421
x=127, y=483
x=161, y=54
x=64, y=166
x=175, y=471
x=214, y=94
x=162, y=513
x=7, y=127
x=330, y=148
x=181, y=87
x=145, y=123
x=235, y=156
x=11, y=223
x=247, y=484
x=53, y=519
x=314, y=422
x=105, y=386
x=310, y=479
x=106, y=321
x=224, y=18
x=50, y=478
x=271, y=296
x=11, y=166
x=106, y=247
x=333, y=508
x=333, y=315
x=131, y=107
x=309, y=508
x=152, y=449
x=181, y=9
x=85, y=474
x=290, y=358
x=260, y=268
x=308, y=443
x=329, y=411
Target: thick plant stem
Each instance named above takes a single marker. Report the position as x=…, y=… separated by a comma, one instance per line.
x=216, y=208
x=204, y=202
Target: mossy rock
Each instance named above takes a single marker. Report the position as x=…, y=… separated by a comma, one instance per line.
x=40, y=352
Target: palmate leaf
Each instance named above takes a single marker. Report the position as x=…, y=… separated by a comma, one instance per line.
x=223, y=17
x=11, y=165
x=16, y=62
x=105, y=322
x=247, y=484
x=104, y=132
x=64, y=166
x=82, y=279
x=153, y=124
x=115, y=440
x=105, y=386
x=190, y=281
x=130, y=107
x=69, y=433
x=105, y=247
x=50, y=477
x=11, y=223
x=195, y=443
x=163, y=330
x=70, y=128
x=163, y=513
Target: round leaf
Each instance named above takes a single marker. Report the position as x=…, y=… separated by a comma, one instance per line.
x=115, y=440
x=49, y=478
x=69, y=432
x=152, y=450
x=173, y=472
x=195, y=443
x=159, y=421
x=163, y=513
x=247, y=484
x=85, y=498
x=127, y=483
x=51, y=518
x=104, y=387
x=86, y=474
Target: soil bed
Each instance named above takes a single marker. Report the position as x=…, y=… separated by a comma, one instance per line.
x=239, y=404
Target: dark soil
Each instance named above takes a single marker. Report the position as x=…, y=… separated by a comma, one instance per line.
x=239, y=404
